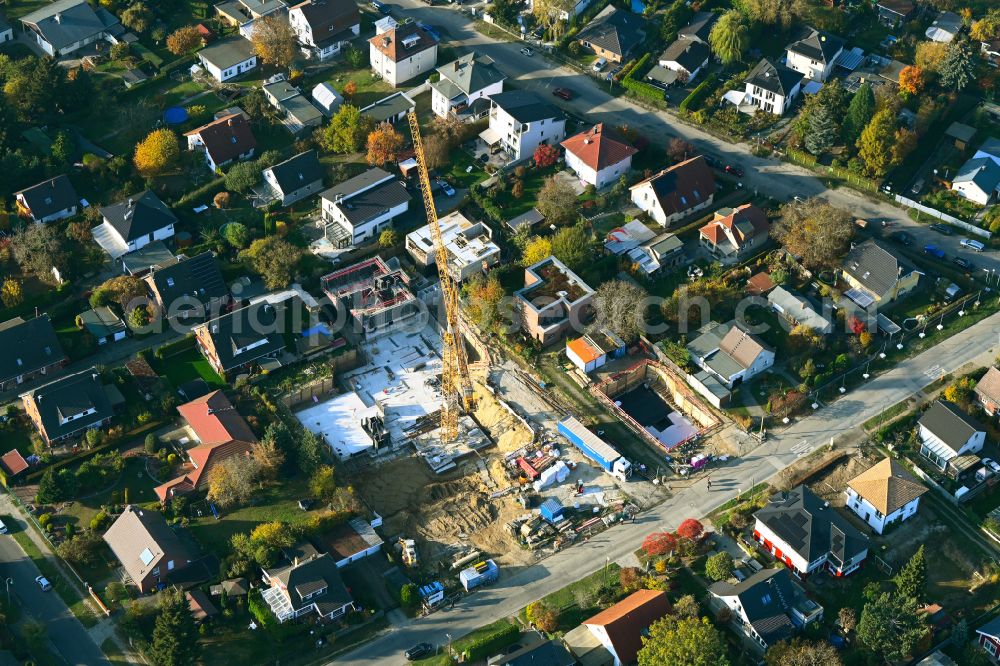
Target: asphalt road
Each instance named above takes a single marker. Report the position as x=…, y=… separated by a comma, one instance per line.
x=592, y=101
x=69, y=640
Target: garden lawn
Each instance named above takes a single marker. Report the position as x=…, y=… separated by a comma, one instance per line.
x=534, y=178
x=276, y=502
x=565, y=600
x=187, y=366
x=133, y=480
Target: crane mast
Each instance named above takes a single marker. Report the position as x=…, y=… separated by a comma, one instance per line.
x=456, y=384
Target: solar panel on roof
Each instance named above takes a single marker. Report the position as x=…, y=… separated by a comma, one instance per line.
x=863, y=299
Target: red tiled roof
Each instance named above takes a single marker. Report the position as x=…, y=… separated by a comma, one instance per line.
x=14, y=462
x=227, y=138
x=760, y=284
x=625, y=621
x=204, y=459
x=598, y=149
x=715, y=230
x=215, y=421
x=392, y=43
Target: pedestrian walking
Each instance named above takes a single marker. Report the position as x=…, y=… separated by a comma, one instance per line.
x=710, y=484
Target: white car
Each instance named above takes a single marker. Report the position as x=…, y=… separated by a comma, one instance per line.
x=599, y=64
x=527, y=52
x=992, y=464
x=973, y=244
x=43, y=583
x=3, y=528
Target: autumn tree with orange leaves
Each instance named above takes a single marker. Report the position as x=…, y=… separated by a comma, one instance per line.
x=911, y=80
x=384, y=144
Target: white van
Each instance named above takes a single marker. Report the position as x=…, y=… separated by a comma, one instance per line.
x=599, y=64
x=973, y=244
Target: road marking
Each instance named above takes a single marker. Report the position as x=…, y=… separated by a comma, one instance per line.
x=935, y=371
x=803, y=448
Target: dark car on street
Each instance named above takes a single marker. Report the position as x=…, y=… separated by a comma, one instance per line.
x=417, y=651
x=902, y=238
x=942, y=229
x=734, y=170
x=563, y=93
x=963, y=263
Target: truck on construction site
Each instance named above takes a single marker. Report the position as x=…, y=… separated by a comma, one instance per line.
x=595, y=448
x=484, y=572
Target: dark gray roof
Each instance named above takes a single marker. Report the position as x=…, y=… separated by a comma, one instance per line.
x=388, y=108
x=330, y=19
x=185, y=281
x=950, y=424
x=767, y=599
x=4, y=25
x=699, y=26
x=687, y=53
x=810, y=527
x=138, y=216
x=526, y=107
x=982, y=171
x=101, y=322
x=614, y=30
x=146, y=257
x=228, y=52
x=774, y=77
x=991, y=628
x=546, y=653
x=360, y=182
x=815, y=45
x=68, y=396
x=297, y=172
x=67, y=22
x=470, y=73
x=368, y=195
x=243, y=327
x=876, y=266
x=50, y=196
x=28, y=346
x=311, y=575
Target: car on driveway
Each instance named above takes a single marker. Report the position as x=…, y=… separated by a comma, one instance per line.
x=902, y=238
x=446, y=188
x=563, y=93
x=992, y=464
x=43, y=583
x=734, y=170
x=599, y=64
x=963, y=263
x=527, y=52
x=934, y=251
x=942, y=229
x=417, y=651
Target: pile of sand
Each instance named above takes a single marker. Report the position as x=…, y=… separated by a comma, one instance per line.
x=505, y=429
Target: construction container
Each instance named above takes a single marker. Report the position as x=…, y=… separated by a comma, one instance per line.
x=431, y=594
x=479, y=574
x=595, y=448
x=552, y=511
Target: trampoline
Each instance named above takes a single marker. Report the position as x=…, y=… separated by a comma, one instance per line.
x=175, y=115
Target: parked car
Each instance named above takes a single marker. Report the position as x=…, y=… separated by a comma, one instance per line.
x=963, y=263
x=417, y=651
x=992, y=464
x=43, y=583
x=563, y=93
x=973, y=244
x=448, y=190
x=3, y=528
x=902, y=238
x=599, y=64
x=527, y=52
x=430, y=30
x=734, y=170
x=934, y=251
x=380, y=7
x=713, y=162
x=942, y=229
x=917, y=186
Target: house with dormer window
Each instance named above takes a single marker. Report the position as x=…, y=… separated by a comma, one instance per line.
x=402, y=53
x=324, y=27
x=676, y=192
x=133, y=224
x=309, y=583
x=68, y=406
x=292, y=180
x=146, y=547
x=48, y=201
x=30, y=349
x=814, y=54
x=239, y=339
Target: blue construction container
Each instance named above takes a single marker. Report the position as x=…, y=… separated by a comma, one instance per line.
x=595, y=448
x=479, y=574
x=551, y=510
x=431, y=594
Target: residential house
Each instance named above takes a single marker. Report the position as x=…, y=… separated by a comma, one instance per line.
x=730, y=353
x=895, y=12
x=145, y=259
x=464, y=87
x=146, y=547
x=375, y=298
x=614, y=34
x=222, y=434
x=307, y=585
x=470, y=247
x=598, y=157
x=360, y=208
x=13, y=463
x=6, y=31
x=520, y=121
x=990, y=52
x=550, y=653
x=104, y=325
x=685, y=58
x=978, y=180
x=621, y=627
x=592, y=351
x=223, y=140
x=30, y=350
x=734, y=232
x=402, y=53
x=69, y=406
x=798, y=311
x=351, y=541
x=988, y=391
x=553, y=300
x=772, y=87
x=200, y=605
x=326, y=98
x=945, y=28
x=676, y=192
x=188, y=288
x=134, y=223
x=814, y=54
x=48, y=201
x=392, y=109
x=242, y=13
x=294, y=179
x=664, y=252
x=324, y=27
x=297, y=113
x=769, y=605
x=699, y=27
x=228, y=58
x=627, y=237
x=990, y=149
x=65, y=26
x=947, y=432
x=877, y=275
x=236, y=341
x=884, y=494
x=988, y=638
x=809, y=535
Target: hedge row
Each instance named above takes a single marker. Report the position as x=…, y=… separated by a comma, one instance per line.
x=694, y=101
x=641, y=89
x=176, y=347
x=488, y=644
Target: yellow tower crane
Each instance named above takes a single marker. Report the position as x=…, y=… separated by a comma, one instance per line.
x=456, y=384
